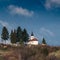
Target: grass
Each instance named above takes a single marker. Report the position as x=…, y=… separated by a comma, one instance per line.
x=57, y=53
x=28, y=53
x=1, y=58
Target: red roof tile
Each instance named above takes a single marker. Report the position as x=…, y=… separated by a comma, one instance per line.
x=33, y=39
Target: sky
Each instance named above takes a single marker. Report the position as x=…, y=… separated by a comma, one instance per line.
x=42, y=17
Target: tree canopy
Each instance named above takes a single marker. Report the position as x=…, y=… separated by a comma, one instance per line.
x=5, y=34
x=44, y=41
x=19, y=34
x=25, y=35
x=13, y=36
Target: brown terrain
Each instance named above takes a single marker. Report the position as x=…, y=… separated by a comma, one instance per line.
x=40, y=52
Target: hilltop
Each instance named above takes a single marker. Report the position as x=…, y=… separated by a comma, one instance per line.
x=23, y=52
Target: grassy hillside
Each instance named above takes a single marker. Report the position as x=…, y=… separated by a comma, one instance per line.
x=57, y=54
x=29, y=53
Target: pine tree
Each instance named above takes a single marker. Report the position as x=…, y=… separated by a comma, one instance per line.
x=13, y=36
x=5, y=34
x=44, y=41
x=25, y=35
x=19, y=34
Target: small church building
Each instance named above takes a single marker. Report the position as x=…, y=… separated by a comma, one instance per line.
x=32, y=40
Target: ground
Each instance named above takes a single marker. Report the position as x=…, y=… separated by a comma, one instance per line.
x=29, y=52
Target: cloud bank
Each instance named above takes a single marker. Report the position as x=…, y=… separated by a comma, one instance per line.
x=20, y=11
x=52, y=4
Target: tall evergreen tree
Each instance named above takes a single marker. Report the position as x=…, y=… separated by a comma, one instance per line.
x=13, y=36
x=44, y=41
x=25, y=35
x=19, y=34
x=5, y=34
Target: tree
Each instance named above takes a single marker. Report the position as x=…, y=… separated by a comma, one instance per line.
x=5, y=34
x=13, y=36
x=25, y=35
x=43, y=41
x=19, y=34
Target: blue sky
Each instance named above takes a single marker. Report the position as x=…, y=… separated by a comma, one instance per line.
x=42, y=17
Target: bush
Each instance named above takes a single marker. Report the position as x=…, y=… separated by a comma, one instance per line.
x=44, y=51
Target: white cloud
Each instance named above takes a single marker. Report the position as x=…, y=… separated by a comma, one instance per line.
x=56, y=1
x=20, y=11
x=52, y=3
x=3, y=23
x=48, y=4
x=46, y=32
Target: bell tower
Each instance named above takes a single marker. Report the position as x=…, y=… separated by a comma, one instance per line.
x=32, y=36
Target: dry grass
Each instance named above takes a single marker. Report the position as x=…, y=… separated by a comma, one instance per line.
x=57, y=53
x=29, y=53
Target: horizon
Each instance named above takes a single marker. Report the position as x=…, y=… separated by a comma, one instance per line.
x=42, y=17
